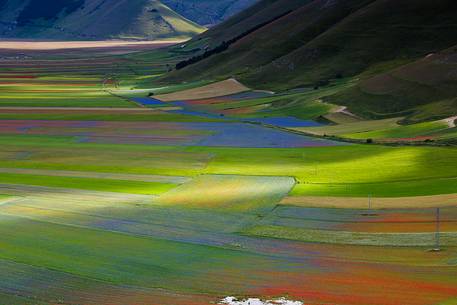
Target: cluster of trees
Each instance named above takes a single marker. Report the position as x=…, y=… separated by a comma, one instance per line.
x=220, y=48
x=224, y=45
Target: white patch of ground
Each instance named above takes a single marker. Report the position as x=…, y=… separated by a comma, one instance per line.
x=344, y=110
x=265, y=91
x=255, y=301
x=451, y=121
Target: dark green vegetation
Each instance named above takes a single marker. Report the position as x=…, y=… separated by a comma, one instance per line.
x=425, y=89
x=381, y=43
x=48, y=10
x=94, y=19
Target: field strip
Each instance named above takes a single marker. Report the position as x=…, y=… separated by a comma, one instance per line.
x=353, y=238
x=114, y=176
x=233, y=192
x=81, y=109
x=55, y=193
x=448, y=200
x=222, y=88
x=130, y=220
x=65, y=45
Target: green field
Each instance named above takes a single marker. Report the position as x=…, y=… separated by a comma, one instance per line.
x=386, y=130
x=408, y=131
x=353, y=170
x=122, y=186
x=188, y=203
x=351, y=238
x=160, y=264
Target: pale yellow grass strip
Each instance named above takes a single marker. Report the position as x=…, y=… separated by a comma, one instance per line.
x=449, y=200
x=62, y=45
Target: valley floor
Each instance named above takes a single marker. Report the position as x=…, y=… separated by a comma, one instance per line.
x=108, y=196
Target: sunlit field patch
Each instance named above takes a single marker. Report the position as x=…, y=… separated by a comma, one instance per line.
x=420, y=131
x=354, y=170
x=226, y=87
x=96, y=184
x=238, y=193
x=387, y=130
x=3, y=197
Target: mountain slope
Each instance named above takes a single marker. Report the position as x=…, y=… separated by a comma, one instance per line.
x=285, y=44
x=208, y=12
x=423, y=89
x=93, y=19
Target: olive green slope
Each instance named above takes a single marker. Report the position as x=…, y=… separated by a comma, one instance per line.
x=423, y=90
x=94, y=19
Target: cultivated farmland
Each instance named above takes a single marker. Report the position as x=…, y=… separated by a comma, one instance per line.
x=115, y=190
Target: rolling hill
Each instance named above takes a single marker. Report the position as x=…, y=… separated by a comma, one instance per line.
x=93, y=19
x=425, y=89
x=208, y=12
x=286, y=44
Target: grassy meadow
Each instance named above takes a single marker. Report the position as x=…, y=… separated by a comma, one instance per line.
x=105, y=200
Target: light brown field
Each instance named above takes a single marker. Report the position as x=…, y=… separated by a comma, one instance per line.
x=226, y=87
x=65, y=45
x=449, y=200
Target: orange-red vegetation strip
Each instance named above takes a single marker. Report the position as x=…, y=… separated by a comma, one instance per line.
x=357, y=283
x=18, y=76
x=402, y=223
